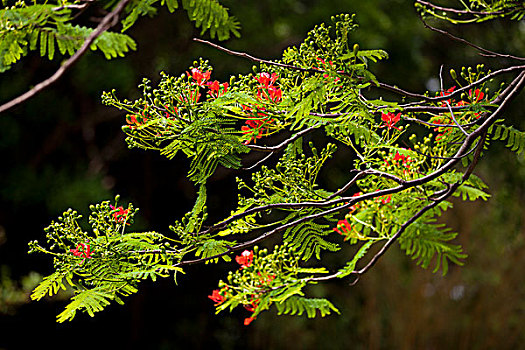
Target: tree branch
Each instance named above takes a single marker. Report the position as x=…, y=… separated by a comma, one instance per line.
x=381, y=85
x=107, y=22
x=466, y=42
x=459, y=12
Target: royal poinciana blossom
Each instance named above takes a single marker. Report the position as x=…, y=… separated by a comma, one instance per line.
x=260, y=123
x=120, y=214
x=245, y=259
x=83, y=251
x=408, y=156
x=390, y=119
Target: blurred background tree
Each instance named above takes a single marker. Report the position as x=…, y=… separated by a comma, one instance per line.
x=65, y=149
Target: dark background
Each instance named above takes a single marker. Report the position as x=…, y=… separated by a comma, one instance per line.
x=65, y=149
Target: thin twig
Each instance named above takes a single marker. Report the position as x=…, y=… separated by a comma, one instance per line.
x=282, y=145
x=381, y=85
x=454, y=119
x=107, y=22
x=264, y=159
x=466, y=42
x=459, y=12
x=74, y=6
x=256, y=59
x=347, y=185
x=274, y=149
x=470, y=86
x=440, y=125
x=302, y=69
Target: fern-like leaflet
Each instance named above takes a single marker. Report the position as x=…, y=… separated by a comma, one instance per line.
x=307, y=239
x=107, y=263
x=515, y=138
x=296, y=305
x=425, y=240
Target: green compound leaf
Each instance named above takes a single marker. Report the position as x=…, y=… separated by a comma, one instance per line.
x=295, y=305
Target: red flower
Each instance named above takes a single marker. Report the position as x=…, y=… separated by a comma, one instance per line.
x=255, y=127
x=265, y=280
x=275, y=94
x=343, y=227
x=195, y=96
x=132, y=119
x=120, y=214
x=271, y=93
x=478, y=94
x=248, y=320
x=267, y=90
x=386, y=199
x=440, y=128
x=390, y=119
x=216, y=297
x=404, y=159
x=446, y=93
x=266, y=79
x=137, y=119
x=245, y=259
x=215, y=88
x=199, y=77
x=82, y=250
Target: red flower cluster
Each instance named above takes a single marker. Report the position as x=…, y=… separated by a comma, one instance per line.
x=265, y=280
x=480, y=95
x=220, y=296
x=136, y=120
x=266, y=80
x=217, y=297
x=443, y=129
x=390, y=119
x=120, y=215
x=446, y=93
x=330, y=65
x=215, y=89
x=355, y=206
x=386, y=199
x=255, y=127
x=82, y=250
x=266, y=90
x=404, y=159
x=245, y=259
x=343, y=228
x=400, y=157
x=199, y=77
x=475, y=96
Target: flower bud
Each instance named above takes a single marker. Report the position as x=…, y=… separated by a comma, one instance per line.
x=356, y=48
